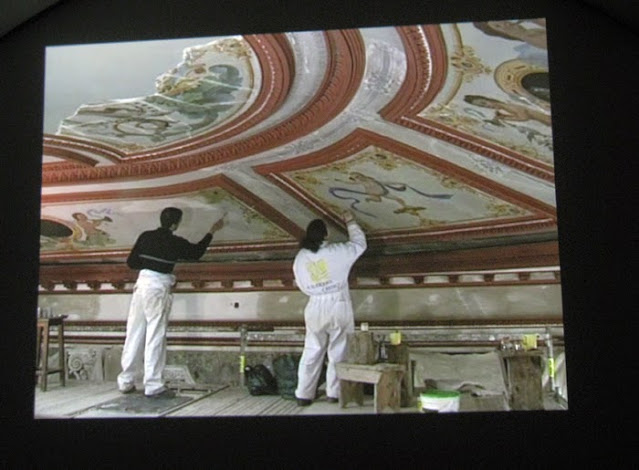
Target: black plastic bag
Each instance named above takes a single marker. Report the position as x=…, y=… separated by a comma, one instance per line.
x=260, y=381
x=285, y=368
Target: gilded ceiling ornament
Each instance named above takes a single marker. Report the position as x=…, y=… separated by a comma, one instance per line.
x=233, y=46
x=503, y=209
x=383, y=159
x=468, y=64
x=450, y=115
x=525, y=82
x=306, y=179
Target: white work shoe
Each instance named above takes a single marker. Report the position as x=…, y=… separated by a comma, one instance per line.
x=127, y=390
x=166, y=393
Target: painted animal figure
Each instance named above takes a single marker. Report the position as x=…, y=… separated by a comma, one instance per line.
x=377, y=191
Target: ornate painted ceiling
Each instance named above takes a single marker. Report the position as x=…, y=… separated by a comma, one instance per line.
x=437, y=137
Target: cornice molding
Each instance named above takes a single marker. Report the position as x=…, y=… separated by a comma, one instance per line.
x=471, y=267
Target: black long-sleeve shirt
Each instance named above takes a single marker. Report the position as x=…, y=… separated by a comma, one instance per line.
x=159, y=250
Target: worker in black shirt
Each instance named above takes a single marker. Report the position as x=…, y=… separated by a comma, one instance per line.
x=155, y=253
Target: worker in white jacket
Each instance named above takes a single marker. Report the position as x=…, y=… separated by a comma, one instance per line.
x=321, y=271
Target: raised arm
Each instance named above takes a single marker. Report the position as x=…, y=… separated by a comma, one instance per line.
x=356, y=237
x=193, y=251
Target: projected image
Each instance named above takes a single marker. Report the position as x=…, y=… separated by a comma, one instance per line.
x=428, y=282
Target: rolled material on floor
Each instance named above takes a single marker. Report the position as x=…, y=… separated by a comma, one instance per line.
x=478, y=373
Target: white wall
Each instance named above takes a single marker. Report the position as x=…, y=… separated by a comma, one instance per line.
x=437, y=303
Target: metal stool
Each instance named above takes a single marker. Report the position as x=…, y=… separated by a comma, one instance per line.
x=42, y=350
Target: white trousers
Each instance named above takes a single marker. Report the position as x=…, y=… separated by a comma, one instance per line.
x=328, y=319
x=146, y=326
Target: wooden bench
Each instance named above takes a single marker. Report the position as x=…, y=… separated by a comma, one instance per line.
x=387, y=379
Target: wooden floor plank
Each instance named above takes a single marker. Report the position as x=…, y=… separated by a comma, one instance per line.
x=61, y=402
x=78, y=396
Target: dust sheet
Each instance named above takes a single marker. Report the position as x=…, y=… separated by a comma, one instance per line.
x=478, y=373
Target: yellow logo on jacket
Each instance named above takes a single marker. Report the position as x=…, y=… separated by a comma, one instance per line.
x=318, y=270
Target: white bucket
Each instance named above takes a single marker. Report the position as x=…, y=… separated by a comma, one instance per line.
x=443, y=401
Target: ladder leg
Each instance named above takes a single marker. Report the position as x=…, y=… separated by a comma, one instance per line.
x=62, y=358
x=45, y=359
x=38, y=352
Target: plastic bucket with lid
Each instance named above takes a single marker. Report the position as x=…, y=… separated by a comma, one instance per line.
x=443, y=401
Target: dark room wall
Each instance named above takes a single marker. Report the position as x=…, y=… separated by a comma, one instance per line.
x=594, y=96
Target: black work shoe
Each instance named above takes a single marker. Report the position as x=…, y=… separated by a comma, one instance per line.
x=128, y=390
x=303, y=402
x=332, y=399
x=166, y=393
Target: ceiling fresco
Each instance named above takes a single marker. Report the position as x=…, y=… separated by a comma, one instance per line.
x=106, y=227
x=213, y=83
x=401, y=190
x=434, y=136
x=521, y=120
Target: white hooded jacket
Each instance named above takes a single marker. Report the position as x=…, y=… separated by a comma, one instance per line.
x=326, y=272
